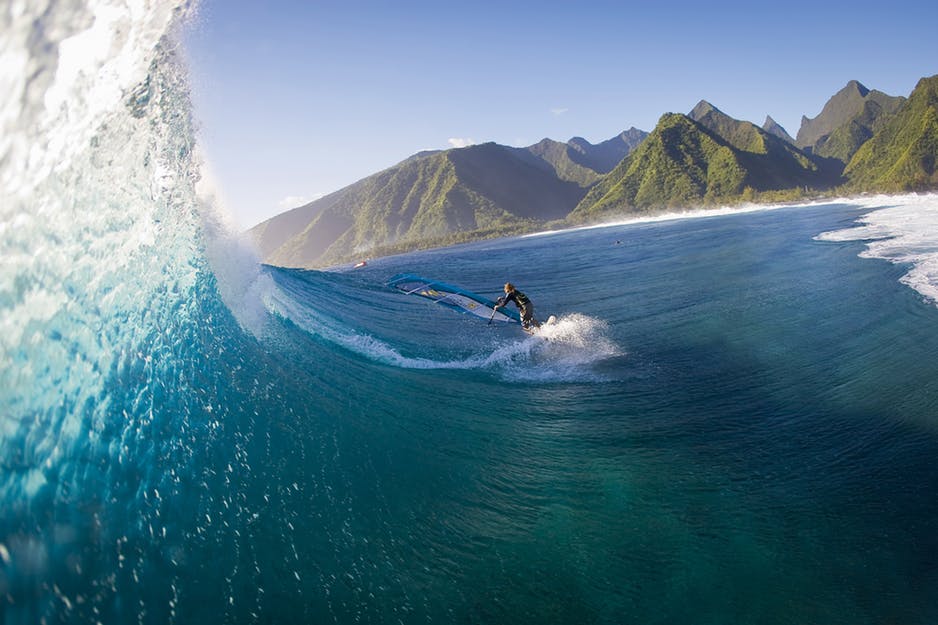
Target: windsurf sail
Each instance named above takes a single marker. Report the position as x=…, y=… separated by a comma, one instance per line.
x=455, y=297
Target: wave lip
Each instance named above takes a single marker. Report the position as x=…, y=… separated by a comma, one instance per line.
x=63, y=79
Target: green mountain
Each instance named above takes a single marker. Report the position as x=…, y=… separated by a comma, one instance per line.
x=902, y=155
x=603, y=157
x=849, y=119
x=862, y=141
x=711, y=159
x=555, y=157
x=440, y=197
x=773, y=163
x=433, y=198
x=670, y=168
x=744, y=136
x=580, y=161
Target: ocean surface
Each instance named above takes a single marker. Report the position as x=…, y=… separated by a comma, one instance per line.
x=735, y=419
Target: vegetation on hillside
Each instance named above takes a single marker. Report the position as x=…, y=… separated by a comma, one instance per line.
x=862, y=141
x=849, y=119
x=482, y=188
x=902, y=156
x=688, y=163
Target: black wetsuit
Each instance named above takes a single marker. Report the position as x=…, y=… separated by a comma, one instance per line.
x=524, y=305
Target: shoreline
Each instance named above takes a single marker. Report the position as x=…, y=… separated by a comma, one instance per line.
x=703, y=213
x=901, y=229
x=863, y=202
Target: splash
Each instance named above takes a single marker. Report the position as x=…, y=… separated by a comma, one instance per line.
x=564, y=351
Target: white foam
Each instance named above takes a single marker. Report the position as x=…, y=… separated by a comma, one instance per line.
x=61, y=84
x=317, y=324
x=235, y=261
x=701, y=213
x=901, y=229
x=563, y=351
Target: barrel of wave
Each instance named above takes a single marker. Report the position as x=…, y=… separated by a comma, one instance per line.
x=98, y=227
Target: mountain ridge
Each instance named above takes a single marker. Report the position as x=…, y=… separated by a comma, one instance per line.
x=903, y=155
x=440, y=197
x=848, y=119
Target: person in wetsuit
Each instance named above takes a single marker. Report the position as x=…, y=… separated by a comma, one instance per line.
x=522, y=302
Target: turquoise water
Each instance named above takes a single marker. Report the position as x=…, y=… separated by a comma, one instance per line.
x=735, y=418
x=753, y=441
x=757, y=448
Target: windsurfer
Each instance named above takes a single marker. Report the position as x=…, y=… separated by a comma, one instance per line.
x=523, y=303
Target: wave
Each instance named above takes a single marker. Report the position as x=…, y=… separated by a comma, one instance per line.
x=108, y=246
x=124, y=301
x=902, y=230
x=100, y=236
x=322, y=306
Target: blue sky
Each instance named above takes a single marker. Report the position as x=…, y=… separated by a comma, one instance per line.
x=297, y=99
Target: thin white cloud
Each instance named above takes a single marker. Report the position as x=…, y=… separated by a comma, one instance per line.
x=293, y=201
x=457, y=142
x=559, y=111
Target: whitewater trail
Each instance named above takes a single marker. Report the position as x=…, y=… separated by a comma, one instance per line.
x=563, y=351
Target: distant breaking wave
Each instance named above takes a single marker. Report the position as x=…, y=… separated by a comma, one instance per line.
x=903, y=230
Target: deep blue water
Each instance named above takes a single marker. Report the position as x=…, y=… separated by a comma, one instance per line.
x=734, y=422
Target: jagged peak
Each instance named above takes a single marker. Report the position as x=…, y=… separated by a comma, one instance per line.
x=856, y=85
x=774, y=128
x=926, y=86
x=702, y=109
x=771, y=123
x=843, y=105
x=545, y=142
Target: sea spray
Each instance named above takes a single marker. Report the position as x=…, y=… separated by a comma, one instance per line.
x=241, y=282
x=564, y=351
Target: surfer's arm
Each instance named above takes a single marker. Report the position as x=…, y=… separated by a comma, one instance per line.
x=503, y=301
